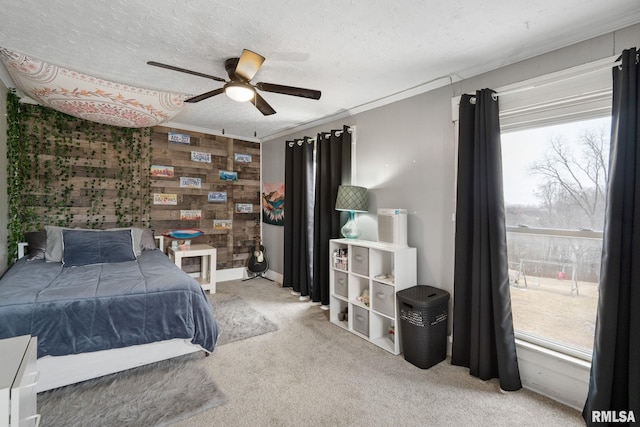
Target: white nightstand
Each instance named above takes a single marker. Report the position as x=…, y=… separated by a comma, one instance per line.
x=207, y=264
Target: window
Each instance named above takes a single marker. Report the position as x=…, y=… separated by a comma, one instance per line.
x=555, y=151
x=554, y=192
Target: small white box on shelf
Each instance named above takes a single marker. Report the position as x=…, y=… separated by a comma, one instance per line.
x=392, y=226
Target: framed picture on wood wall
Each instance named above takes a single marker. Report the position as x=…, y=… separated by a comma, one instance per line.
x=188, y=182
x=242, y=158
x=217, y=196
x=180, y=138
x=161, y=171
x=244, y=208
x=199, y=156
x=190, y=214
x=222, y=224
x=165, y=199
x=228, y=176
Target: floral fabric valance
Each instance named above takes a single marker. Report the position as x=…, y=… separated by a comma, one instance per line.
x=87, y=97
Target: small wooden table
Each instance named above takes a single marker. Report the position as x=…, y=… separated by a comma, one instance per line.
x=207, y=264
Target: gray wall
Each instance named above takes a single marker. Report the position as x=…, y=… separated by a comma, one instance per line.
x=4, y=213
x=273, y=172
x=406, y=156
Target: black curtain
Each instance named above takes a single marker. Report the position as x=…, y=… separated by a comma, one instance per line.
x=614, y=383
x=310, y=218
x=483, y=338
x=333, y=167
x=298, y=239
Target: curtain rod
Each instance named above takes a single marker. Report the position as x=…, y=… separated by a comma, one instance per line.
x=299, y=141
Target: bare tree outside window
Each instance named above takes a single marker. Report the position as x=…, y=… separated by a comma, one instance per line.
x=573, y=191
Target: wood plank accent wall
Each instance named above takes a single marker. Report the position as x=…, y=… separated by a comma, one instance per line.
x=78, y=174
x=233, y=246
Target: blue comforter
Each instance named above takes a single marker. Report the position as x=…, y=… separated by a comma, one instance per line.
x=99, y=307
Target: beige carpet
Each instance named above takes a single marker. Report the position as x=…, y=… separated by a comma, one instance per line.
x=312, y=373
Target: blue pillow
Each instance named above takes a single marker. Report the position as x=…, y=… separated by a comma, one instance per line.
x=84, y=247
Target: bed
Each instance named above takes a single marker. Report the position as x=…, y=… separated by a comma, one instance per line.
x=102, y=308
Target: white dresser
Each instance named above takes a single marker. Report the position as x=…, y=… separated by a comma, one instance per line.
x=18, y=378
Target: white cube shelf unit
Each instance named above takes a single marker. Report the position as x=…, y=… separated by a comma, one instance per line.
x=360, y=266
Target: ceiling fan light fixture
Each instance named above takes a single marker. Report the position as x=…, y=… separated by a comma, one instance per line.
x=241, y=71
x=240, y=92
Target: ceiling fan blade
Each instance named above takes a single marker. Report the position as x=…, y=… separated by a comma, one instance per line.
x=289, y=90
x=184, y=70
x=204, y=96
x=248, y=64
x=263, y=105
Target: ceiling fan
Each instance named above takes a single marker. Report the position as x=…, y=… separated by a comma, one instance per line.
x=239, y=87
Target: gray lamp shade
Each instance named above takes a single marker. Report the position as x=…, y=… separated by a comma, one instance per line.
x=352, y=198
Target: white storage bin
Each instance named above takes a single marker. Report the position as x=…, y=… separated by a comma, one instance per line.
x=361, y=320
x=383, y=299
x=360, y=260
x=341, y=283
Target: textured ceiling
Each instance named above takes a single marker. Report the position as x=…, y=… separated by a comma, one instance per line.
x=358, y=53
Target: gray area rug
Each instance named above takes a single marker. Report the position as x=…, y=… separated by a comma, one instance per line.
x=158, y=394
x=237, y=320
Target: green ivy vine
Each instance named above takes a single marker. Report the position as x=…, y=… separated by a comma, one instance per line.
x=20, y=208
x=71, y=172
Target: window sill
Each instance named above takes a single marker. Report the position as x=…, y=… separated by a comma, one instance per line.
x=566, y=358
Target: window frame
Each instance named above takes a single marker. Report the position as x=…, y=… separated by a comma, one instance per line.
x=561, y=108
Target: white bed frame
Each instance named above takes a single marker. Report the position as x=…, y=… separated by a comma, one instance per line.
x=58, y=371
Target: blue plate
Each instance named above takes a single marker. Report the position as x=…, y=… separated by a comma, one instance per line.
x=184, y=234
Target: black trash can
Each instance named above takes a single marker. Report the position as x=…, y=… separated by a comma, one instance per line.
x=423, y=324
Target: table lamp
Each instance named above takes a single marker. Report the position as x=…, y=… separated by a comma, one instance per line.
x=352, y=199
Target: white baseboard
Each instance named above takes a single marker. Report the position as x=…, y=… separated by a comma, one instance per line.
x=276, y=277
x=230, y=274
x=241, y=273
